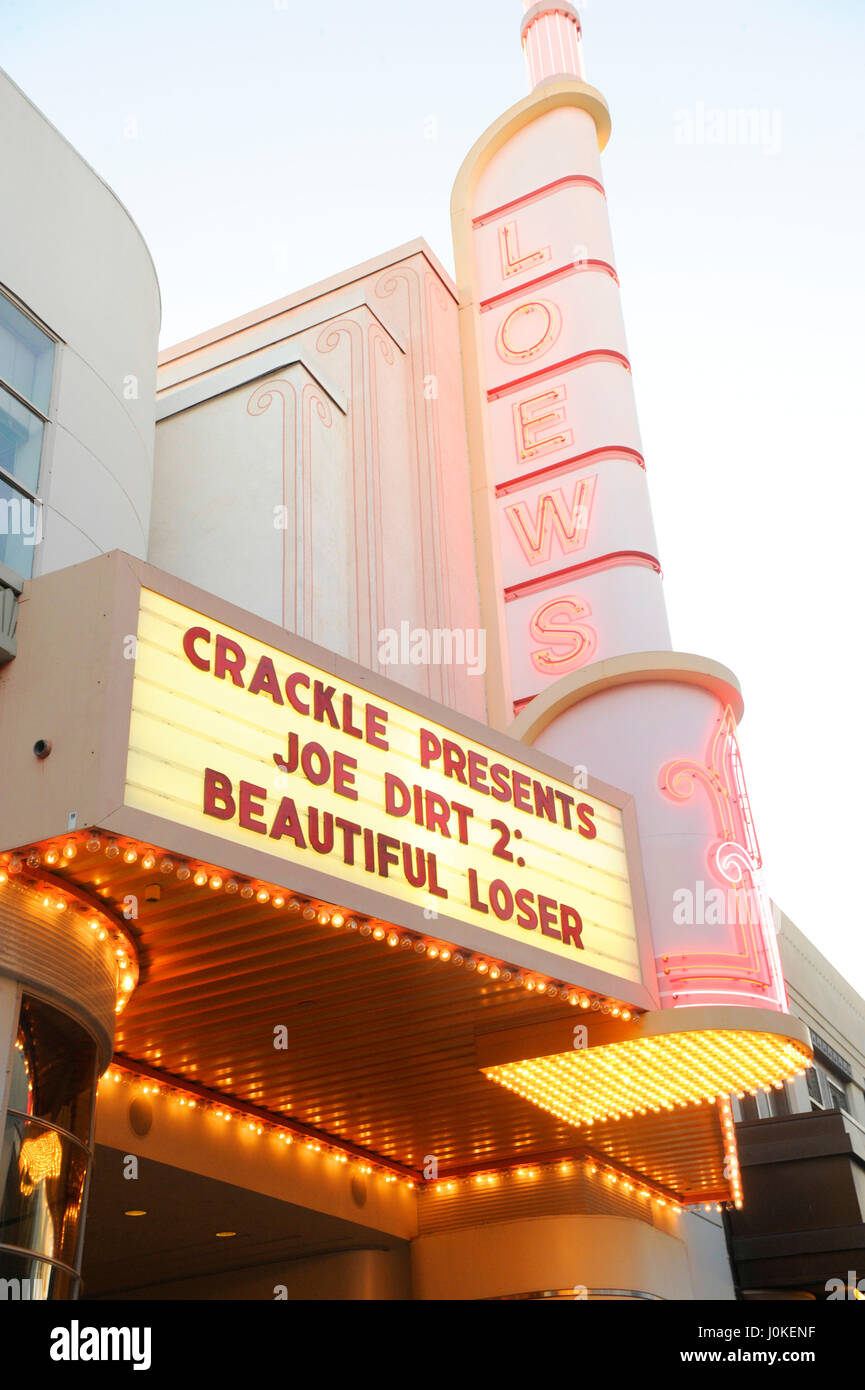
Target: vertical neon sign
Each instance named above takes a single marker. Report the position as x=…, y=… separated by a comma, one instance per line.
x=567, y=558
x=562, y=510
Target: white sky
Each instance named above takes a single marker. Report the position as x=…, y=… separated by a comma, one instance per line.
x=262, y=146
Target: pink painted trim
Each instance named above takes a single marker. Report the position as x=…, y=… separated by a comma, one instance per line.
x=575, y=461
x=571, y=268
x=603, y=562
x=524, y=199
x=189, y=346
x=581, y=359
x=551, y=42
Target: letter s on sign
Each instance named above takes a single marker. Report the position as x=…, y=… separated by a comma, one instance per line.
x=557, y=622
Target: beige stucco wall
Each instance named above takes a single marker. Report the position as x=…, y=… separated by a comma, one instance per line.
x=355, y=1275
x=341, y=405
x=550, y=1252
x=823, y=999
x=201, y=1143
x=70, y=252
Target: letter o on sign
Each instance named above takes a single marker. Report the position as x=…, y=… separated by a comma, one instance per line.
x=529, y=331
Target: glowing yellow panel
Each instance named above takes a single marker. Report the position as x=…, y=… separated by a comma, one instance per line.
x=246, y=742
x=639, y=1075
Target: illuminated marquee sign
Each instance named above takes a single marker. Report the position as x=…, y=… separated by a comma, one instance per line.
x=243, y=741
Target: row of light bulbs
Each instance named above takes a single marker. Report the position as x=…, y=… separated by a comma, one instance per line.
x=220, y=880
x=731, y=1153
x=284, y=1134
x=603, y=1171
x=592, y=1167
x=100, y=923
x=247, y=1119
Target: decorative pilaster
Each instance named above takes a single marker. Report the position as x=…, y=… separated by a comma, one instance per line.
x=552, y=42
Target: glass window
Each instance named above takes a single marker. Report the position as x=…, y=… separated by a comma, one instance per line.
x=43, y=1170
x=53, y=1069
x=26, y=370
x=20, y=441
x=20, y=529
x=779, y=1102
x=837, y=1095
x=813, y=1081
x=26, y=356
x=42, y=1196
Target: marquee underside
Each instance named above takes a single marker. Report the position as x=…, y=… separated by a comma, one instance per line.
x=371, y=1038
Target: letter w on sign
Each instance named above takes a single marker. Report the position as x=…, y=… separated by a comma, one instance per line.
x=554, y=516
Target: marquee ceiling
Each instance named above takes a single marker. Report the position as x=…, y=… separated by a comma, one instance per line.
x=379, y=1025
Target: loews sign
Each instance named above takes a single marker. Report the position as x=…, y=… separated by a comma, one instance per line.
x=243, y=741
x=570, y=574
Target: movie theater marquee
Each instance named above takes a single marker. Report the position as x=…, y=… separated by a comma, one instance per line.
x=407, y=817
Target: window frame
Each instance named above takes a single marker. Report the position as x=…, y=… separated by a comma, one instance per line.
x=11, y=578
x=833, y=1086
x=826, y=1083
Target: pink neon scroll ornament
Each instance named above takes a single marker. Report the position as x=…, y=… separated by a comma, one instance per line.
x=736, y=859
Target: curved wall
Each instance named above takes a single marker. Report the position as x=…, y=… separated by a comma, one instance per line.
x=591, y=1255
x=673, y=744
x=61, y=960
x=73, y=257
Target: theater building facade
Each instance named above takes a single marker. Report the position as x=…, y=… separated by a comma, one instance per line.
x=381, y=905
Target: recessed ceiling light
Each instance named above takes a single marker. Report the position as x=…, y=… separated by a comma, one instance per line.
x=135, y=1213
x=223, y=1235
